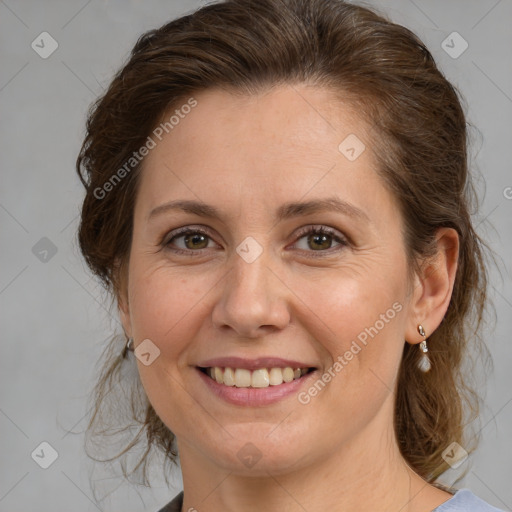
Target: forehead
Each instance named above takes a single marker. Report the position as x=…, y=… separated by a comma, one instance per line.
x=283, y=144
x=286, y=121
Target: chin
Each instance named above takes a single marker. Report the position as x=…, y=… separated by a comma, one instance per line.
x=259, y=450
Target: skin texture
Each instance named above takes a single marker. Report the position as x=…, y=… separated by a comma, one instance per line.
x=247, y=155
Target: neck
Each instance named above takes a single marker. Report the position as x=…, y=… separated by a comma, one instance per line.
x=364, y=474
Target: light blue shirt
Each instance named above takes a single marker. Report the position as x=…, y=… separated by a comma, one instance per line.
x=465, y=501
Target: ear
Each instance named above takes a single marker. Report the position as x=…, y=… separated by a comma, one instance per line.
x=433, y=287
x=122, y=298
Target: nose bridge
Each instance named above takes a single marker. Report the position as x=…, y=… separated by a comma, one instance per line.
x=251, y=295
x=250, y=267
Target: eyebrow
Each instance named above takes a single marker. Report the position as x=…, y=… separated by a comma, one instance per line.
x=284, y=212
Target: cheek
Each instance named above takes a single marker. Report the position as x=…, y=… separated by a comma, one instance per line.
x=358, y=321
x=348, y=306
x=163, y=302
x=164, y=308
x=357, y=317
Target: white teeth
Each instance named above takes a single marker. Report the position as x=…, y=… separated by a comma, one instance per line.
x=218, y=375
x=288, y=374
x=242, y=378
x=260, y=378
x=229, y=377
x=276, y=376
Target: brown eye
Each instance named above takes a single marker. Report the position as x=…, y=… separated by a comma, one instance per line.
x=193, y=240
x=320, y=239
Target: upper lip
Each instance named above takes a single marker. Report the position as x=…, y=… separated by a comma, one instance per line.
x=253, y=364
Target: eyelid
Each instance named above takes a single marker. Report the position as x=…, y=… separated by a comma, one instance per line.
x=312, y=228
x=183, y=231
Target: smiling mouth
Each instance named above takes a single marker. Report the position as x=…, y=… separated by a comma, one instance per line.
x=260, y=378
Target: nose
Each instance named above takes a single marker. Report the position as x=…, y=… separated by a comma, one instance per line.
x=253, y=301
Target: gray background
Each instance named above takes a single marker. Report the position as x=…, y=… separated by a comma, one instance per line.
x=54, y=315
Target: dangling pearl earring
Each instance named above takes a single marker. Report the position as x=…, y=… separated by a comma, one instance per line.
x=424, y=363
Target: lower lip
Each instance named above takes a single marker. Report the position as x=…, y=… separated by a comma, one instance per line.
x=252, y=397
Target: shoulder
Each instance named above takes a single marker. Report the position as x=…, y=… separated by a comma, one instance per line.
x=174, y=505
x=465, y=501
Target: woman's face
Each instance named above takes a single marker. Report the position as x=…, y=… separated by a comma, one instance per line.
x=254, y=284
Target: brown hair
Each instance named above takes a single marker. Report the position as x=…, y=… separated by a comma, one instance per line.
x=419, y=140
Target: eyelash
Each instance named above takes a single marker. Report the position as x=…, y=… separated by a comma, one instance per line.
x=314, y=230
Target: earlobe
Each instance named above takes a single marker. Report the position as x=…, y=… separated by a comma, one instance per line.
x=434, y=287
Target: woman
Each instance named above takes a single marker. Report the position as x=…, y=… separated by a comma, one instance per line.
x=277, y=197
